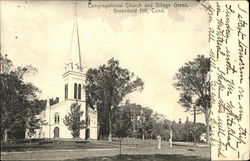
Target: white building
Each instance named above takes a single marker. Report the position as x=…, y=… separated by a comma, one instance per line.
x=203, y=137
x=74, y=91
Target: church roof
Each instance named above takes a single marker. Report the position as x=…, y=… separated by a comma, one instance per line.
x=57, y=105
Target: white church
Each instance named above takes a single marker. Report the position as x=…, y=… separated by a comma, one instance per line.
x=74, y=91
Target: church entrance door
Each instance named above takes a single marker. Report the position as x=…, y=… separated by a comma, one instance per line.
x=56, y=132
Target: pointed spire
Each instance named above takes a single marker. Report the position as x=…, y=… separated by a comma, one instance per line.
x=75, y=62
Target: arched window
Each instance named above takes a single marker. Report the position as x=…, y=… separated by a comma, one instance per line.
x=79, y=91
x=57, y=118
x=75, y=91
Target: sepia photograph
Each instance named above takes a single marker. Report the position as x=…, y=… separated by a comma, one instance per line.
x=128, y=80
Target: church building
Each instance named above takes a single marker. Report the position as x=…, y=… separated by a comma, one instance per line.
x=74, y=91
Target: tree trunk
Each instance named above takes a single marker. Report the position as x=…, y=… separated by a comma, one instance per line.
x=110, y=126
x=110, y=131
x=98, y=130
x=195, y=140
x=134, y=131
x=143, y=134
x=30, y=141
x=170, y=139
x=6, y=135
x=207, y=123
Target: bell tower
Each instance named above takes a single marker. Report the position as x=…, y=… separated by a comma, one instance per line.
x=74, y=85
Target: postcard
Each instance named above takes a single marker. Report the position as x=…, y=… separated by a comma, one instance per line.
x=124, y=80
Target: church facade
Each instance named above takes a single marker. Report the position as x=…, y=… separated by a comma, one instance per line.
x=74, y=92
x=54, y=115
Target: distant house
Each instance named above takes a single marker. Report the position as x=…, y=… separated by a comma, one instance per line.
x=74, y=91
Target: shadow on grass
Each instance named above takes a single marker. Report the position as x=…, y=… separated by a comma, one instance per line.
x=48, y=144
x=154, y=157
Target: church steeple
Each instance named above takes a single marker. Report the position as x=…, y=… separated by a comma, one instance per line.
x=75, y=59
x=74, y=76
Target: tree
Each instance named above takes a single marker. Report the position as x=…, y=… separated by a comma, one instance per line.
x=73, y=120
x=197, y=130
x=33, y=123
x=161, y=126
x=192, y=80
x=107, y=86
x=18, y=99
x=121, y=121
x=135, y=111
x=132, y=120
x=187, y=131
x=191, y=104
x=145, y=122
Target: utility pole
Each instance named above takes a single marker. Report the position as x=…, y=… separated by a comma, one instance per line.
x=170, y=139
x=171, y=135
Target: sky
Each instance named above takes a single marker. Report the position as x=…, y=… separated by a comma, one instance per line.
x=152, y=45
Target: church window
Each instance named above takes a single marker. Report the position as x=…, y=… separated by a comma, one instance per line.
x=66, y=91
x=57, y=118
x=89, y=121
x=79, y=91
x=75, y=91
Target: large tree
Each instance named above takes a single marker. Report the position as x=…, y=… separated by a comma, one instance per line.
x=122, y=124
x=73, y=120
x=146, y=121
x=187, y=101
x=18, y=99
x=132, y=120
x=106, y=87
x=192, y=80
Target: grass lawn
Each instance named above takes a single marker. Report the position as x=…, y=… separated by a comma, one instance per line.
x=46, y=144
x=103, y=151
x=154, y=157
